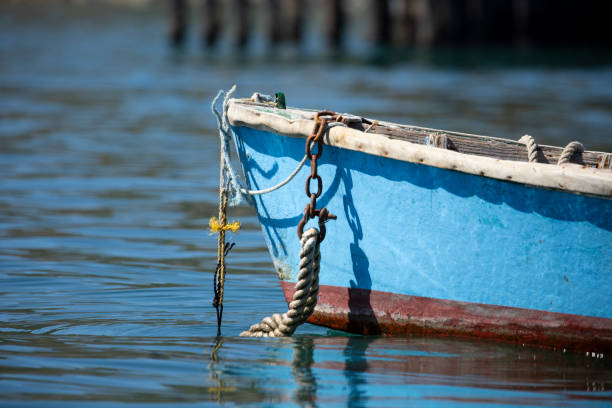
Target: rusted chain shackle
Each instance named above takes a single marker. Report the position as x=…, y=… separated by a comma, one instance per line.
x=322, y=119
x=323, y=215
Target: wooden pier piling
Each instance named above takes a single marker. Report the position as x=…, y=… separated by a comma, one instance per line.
x=382, y=22
x=420, y=23
x=274, y=23
x=242, y=23
x=335, y=22
x=178, y=21
x=210, y=23
x=296, y=21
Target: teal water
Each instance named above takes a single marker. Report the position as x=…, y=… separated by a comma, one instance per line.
x=108, y=176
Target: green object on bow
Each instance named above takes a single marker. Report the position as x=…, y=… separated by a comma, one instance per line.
x=280, y=100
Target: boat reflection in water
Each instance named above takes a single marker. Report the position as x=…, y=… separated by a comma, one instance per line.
x=393, y=371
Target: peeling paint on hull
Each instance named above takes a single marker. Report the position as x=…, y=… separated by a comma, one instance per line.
x=374, y=312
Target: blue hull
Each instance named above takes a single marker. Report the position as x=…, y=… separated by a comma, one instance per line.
x=418, y=230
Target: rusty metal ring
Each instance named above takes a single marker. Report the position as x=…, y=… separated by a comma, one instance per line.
x=309, y=142
x=313, y=212
x=319, y=185
x=300, y=228
x=322, y=232
x=323, y=215
x=323, y=113
x=321, y=131
x=313, y=165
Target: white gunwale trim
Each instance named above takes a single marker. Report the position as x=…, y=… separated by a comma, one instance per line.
x=299, y=123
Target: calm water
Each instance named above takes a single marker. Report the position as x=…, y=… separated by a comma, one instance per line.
x=108, y=176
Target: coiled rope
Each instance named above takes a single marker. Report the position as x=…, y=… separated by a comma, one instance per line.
x=304, y=299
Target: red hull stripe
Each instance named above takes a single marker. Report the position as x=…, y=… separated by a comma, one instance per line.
x=373, y=312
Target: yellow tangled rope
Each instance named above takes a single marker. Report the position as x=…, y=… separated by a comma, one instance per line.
x=215, y=226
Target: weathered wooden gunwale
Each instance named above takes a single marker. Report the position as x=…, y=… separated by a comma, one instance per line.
x=504, y=149
x=481, y=155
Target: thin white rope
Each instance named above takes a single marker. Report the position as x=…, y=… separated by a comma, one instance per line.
x=334, y=124
x=279, y=185
x=237, y=191
x=292, y=175
x=235, y=196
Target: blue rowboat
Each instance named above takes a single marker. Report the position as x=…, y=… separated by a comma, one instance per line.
x=439, y=233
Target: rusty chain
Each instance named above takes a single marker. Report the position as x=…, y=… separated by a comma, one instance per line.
x=322, y=119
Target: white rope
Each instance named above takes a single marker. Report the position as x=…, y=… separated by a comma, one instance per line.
x=532, y=147
x=261, y=98
x=237, y=191
x=568, y=151
x=334, y=124
x=279, y=185
x=304, y=299
x=235, y=196
x=293, y=173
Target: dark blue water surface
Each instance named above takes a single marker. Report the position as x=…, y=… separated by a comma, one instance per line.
x=108, y=176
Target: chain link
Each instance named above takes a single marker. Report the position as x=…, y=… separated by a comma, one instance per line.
x=322, y=119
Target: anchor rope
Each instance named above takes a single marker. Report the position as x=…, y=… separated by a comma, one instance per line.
x=223, y=249
x=227, y=184
x=304, y=299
